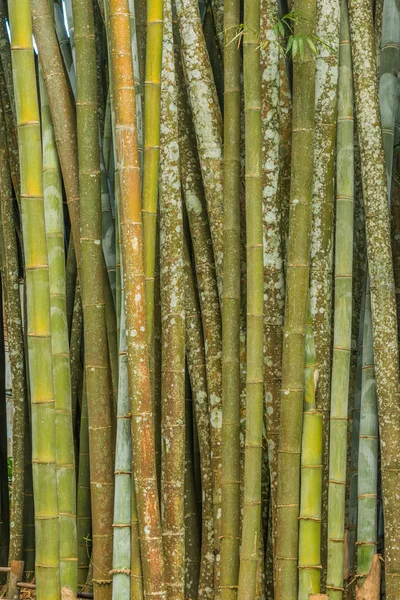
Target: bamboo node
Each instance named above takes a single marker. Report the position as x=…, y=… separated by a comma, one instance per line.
x=122, y=571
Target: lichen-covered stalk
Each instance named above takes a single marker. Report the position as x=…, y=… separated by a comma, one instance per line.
x=326, y=77
x=230, y=501
x=172, y=327
x=297, y=279
x=206, y=118
x=311, y=477
x=383, y=303
x=198, y=380
x=151, y=151
x=38, y=304
x=342, y=318
x=255, y=300
x=272, y=223
x=206, y=281
x=128, y=172
x=96, y=353
x=367, y=519
x=61, y=107
x=12, y=309
x=54, y=216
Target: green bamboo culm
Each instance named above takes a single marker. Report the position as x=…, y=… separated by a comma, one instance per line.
x=96, y=353
x=84, y=521
x=383, y=301
x=367, y=519
x=311, y=476
x=47, y=568
x=54, y=215
x=255, y=301
x=230, y=525
x=342, y=316
x=297, y=280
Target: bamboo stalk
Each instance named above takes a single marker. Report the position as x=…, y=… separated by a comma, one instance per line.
x=367, y=521
x=255, y=300
x=381, y=277
x=151, y=156
x=342, y=318
x=198, y=380
x=206, y=118
x=134, y=284
x=12, y=306
x=66, y=488
x=47, y=566
x=64, y=43
x=62, y=110
x=93, y=302
x=230, y=450
x=172, y=326
x=297, y=274
x=84, y=521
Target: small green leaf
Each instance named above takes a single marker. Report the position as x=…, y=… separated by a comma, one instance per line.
x=311, y=44
x=281, y=28
x=289, y=44
x=295, y=46
x=301, y=45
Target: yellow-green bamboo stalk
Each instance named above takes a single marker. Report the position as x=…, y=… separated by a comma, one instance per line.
x=255, y=303
x=311, y=477
x=128, y=173
x=66, y=488
x=151, y=156
x=172, y=326
x=38, y=304
x=297, y=281
x=342, y=318
x=230, y=450
x=93, y=301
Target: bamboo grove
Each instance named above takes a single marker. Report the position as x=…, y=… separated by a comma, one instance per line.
x=200, y=289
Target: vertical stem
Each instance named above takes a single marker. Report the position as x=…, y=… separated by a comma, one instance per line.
x=255, y=301
x=297, y=273
x=38, y=304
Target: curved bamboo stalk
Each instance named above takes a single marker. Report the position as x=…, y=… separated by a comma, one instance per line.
x=84, y=514
x=172, y=327
x=255, y=299
x=342, y=317
x=134, y=285
x=93, y=302
x=297, y=273
x=62, y=109
x=198, y=380
x=47, y=527
x=71, y=28
x=151, y=156
x=311, y=476
x=66, y=488
x=230, y=450
x=367, y=521
x=206, y=118
x=12, y=306
x=381, y=277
